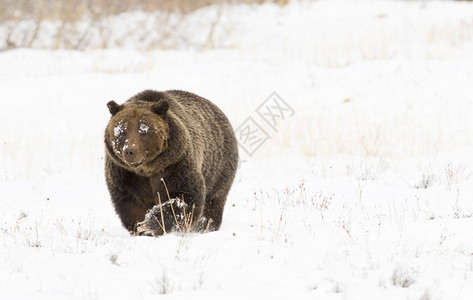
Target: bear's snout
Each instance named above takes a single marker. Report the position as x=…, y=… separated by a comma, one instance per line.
x=130, y=154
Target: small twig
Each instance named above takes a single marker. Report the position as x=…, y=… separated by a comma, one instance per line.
x=166, y=187
x=172, y=207
x=188, y=219
x=163, y=227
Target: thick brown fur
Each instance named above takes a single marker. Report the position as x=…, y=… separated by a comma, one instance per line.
x=179, y=137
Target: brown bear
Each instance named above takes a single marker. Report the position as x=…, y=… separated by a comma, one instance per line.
x=170, y=161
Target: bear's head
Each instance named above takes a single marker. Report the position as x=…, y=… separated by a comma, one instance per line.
x=137, y=134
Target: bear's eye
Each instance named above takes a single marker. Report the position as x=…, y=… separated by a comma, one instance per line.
x=119, y=130
x=143, y=130
x=122, y=135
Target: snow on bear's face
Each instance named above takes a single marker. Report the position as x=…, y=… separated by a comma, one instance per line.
x=136, y=135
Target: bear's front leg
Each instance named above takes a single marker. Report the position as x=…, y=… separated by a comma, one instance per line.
x=170, y=216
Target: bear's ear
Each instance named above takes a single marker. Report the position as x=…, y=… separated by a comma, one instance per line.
x=161, y=107
x=113, y=107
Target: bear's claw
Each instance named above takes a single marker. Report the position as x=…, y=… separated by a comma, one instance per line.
x=142, y=229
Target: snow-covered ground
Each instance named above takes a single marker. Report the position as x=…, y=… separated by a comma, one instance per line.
x=364, y=192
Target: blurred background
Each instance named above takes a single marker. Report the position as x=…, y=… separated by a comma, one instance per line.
x=83, y=25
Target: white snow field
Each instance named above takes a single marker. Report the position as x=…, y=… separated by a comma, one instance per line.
x=363, y=189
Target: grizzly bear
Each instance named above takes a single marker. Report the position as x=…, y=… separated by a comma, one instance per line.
x=170, y=161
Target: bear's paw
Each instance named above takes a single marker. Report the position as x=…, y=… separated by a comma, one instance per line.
x=170, y=216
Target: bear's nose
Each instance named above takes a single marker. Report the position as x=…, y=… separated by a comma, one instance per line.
x=129, y=153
